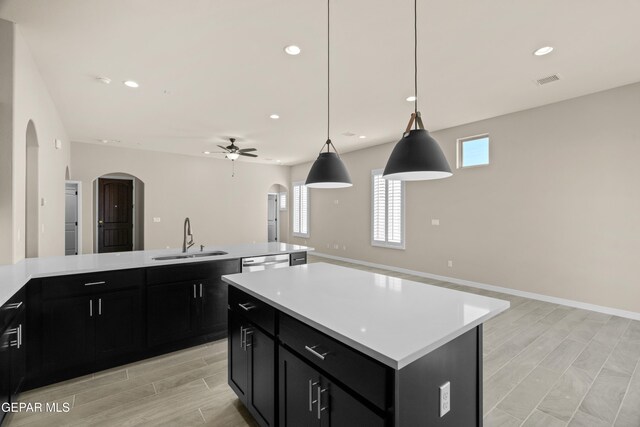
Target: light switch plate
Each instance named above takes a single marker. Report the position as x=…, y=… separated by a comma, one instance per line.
x=435, y=222
x=156, y=219
x=445, y=398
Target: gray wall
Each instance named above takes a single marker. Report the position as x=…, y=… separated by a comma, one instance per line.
x=555, y=213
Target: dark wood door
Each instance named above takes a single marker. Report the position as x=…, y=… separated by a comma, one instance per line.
x=171, y=312
x=214, y=306
x=298, y=392
x=262, y=388
x=68, y=331
x=115, y=215
x=238, y=356
x=340, y=409
x=118, y=324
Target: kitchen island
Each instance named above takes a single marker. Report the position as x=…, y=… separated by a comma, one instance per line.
x=344, y=347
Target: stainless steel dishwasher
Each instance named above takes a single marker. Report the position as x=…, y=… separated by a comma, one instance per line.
x=265, y=262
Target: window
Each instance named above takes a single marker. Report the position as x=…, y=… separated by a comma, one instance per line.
x=473, y=151
x=387, y=211
x=283, y=201
x=300, y=210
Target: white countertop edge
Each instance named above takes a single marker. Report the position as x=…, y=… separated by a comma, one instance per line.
x=14, y=276
x=392, y=363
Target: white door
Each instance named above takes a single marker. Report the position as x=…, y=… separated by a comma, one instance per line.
x=71, y=219
x=272, y=218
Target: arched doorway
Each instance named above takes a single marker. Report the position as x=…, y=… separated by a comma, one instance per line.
x=276, y=221
x=32, y=208
x=118, y=213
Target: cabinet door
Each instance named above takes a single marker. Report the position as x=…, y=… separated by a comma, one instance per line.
x=261, y=380
x=18, y=357
x=171, y=313
x=238, y=356
x=298, y=392
x=5, y=371
x=213, y=315
x=340, y=409
x=118, y=324
x=67, y=334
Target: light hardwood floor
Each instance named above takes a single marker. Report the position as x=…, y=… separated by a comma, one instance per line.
x=544, y=365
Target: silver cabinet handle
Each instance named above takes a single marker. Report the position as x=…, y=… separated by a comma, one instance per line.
x=95, y=283
x=247, y=306
x=241, y=337
x=99, y=306
x=200, y=290
x=314, y=352
x=17, y=343
x=247, y=333
x=320, y=408
x=311, y=401
x=90, y=308
x=194, y=290
x=20, y=335
x=13, y=306
x=298, y=259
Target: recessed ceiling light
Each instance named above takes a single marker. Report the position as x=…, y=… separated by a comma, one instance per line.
x=292, y=50
x=206, y=152
x=279, y=161
x=105, y=80
x=104, y=141
x=274, y=116
x=131, y=83
x=543, y=51
x=411, y=98
x=362, y=136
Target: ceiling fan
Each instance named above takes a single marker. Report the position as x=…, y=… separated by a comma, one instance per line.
x=232, y=152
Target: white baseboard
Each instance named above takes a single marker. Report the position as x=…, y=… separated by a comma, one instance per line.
x=562, y=301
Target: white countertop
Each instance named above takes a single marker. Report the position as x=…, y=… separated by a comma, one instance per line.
x=393, y=320
x=13, y=277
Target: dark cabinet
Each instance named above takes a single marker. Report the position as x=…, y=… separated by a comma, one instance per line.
x=5, y=371
x=252, y=368
x=82, y=331
x=171, y=312
x=12, y=349
x=213, y=306
x=307, y=398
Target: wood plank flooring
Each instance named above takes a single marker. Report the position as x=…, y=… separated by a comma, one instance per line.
x=544, y=365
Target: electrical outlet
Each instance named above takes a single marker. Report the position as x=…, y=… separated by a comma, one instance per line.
x=435, y=222
x=445, y=398
x=449, y=263
x=156, y=219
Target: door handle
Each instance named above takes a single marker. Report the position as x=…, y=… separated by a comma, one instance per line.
x=14, y=306
x=90, y=308
x=311, y=401
x=320, y=408
x=312, y=350
x=99, y=306
x=247, y=333
x=194, y=290
x=241, y=337
x=200, y=290
x=247, y=306
x=95, y=283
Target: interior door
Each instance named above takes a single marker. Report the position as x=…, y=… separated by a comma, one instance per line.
x=272, y=218
x=115, y=215
x=70, y=219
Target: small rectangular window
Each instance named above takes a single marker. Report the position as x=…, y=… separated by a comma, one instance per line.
x=473, y=151
x=387, y=211
x=300, y=210
x=283, y=201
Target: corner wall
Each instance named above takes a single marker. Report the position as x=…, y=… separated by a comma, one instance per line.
x=555, y=213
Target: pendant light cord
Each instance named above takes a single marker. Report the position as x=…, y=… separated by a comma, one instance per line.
x=328, y=69
x=415, y=56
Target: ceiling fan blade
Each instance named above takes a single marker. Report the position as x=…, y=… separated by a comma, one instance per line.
x=224, y=148
x=245, y=150
x=248, y=154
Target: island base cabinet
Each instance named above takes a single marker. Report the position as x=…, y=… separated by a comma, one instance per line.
x=252, y=368
x=309, y=399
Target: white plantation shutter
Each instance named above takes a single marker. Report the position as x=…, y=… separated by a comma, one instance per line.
x=387, y=216
x=283, y=201
x=300, y=209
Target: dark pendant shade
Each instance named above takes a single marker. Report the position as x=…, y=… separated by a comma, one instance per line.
x=328, y=171
x=417, y=156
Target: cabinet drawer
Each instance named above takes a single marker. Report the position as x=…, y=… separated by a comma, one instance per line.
x=298, y=258
x=92, y=283
x=13, y=307
x=365, y=376
x=258, y=312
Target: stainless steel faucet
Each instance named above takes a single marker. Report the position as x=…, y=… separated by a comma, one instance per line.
x=187, y=232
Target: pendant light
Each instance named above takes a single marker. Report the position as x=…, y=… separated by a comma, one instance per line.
x=328, y=171
x=417, y=156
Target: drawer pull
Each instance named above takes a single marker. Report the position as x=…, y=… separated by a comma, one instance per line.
x=14, y=306
x=247, y=306
x=298, y=259
x=95, y=283
x=314, y=352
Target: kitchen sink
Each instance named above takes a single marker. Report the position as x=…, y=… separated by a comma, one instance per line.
x=192, y=255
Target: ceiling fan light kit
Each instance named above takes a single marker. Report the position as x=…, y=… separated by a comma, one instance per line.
x=328, y=171
x=417, y=156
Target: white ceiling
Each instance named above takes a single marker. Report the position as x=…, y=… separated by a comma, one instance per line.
x=223, y=66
